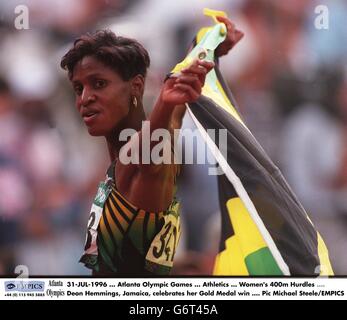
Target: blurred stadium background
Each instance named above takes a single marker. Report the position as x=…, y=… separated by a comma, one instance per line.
x=288, y=77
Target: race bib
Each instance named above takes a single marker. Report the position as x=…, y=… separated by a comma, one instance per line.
x=164, y=245
x=91, y=248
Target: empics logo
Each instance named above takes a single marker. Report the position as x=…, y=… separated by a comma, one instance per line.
x=24, y=286
x=10, y=286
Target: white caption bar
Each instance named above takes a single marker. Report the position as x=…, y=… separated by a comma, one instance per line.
x=174, y=289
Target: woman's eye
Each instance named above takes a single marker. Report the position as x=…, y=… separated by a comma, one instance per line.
x=100, y=84
x=78, y=90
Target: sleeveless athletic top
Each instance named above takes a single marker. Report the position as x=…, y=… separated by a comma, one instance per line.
x=129, y=240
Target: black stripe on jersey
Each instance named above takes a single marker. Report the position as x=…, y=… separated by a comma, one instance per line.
x=114, y=219
x=124, y=202
x=109, y=230
x=121, y=212
x=103, y=244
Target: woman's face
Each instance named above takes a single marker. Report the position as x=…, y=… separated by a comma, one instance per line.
x=102, y=97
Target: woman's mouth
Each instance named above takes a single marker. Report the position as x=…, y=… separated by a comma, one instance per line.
x=89, y=117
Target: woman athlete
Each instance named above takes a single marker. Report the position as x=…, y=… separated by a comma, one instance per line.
x=133, y=227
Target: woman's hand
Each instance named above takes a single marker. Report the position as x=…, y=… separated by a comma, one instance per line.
x=233, y=37
x=186, y=86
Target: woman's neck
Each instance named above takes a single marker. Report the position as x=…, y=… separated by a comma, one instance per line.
x=132, y=121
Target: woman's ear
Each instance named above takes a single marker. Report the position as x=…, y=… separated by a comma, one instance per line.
x=137, y=86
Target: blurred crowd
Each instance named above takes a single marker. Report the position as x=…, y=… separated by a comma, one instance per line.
x=289, y=79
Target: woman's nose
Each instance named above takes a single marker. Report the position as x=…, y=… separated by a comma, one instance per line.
x=87, y=97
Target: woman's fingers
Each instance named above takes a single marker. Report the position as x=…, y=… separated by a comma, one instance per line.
x=199, y=68
x=186, y=85
x=229, y=25
x=192, y=80
x=223, y=19
x=233, y=37
x=192, y=95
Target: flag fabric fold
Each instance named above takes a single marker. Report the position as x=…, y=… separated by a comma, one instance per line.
x=265, y=230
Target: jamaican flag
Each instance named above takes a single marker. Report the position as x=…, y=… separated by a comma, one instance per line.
x=265, y=230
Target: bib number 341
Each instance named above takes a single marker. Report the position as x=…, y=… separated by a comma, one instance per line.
x=163, y=247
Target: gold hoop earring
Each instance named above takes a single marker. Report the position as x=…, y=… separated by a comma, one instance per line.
x=135, y=102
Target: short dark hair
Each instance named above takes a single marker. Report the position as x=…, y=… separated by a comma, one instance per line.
x=124, y=55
